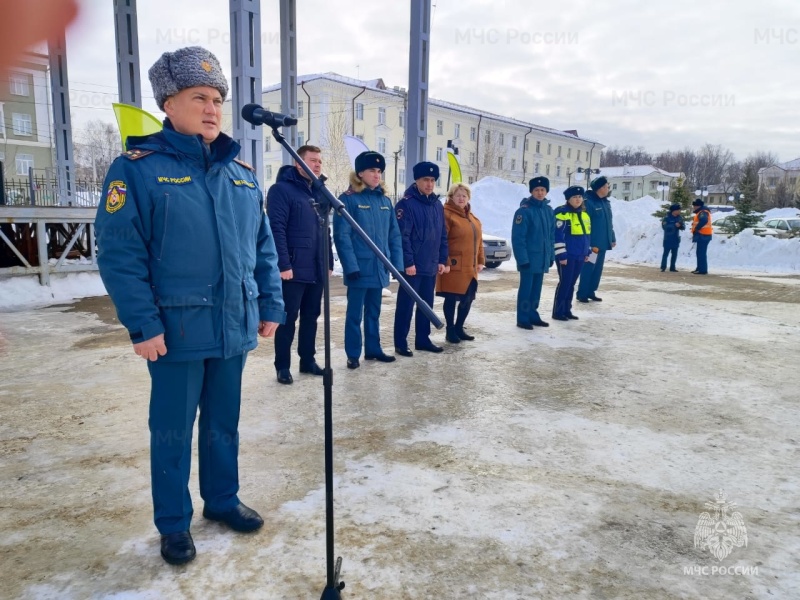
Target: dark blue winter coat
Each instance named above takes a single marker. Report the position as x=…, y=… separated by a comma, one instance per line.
x=421, y=220
x=295, y=227
x=185, y=248
x=672, y=234
x=599, y=210
x=573, y=232
x=372, y=210
x=533, y=235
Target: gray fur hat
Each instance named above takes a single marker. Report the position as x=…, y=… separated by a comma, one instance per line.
x=185, y=68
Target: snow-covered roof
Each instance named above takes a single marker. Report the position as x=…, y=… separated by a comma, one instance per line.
x=378, y=85
x=792, y=165
x=635, y=171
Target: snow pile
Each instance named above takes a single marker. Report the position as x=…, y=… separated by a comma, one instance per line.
x=639, y=233
x=24, y=292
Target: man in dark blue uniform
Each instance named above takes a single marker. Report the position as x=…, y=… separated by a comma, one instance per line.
x=420, y=215
x=672, y=224
x=299, y=241
x=603, y=239
x=187, y=256
x=533, y=243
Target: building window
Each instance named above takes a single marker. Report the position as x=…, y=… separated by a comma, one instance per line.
x=547, y=170
x=301, y=138
x=19, y=85
x=439, y=127
x=569, y=152
x=359, y=111
x=538, y=147
x=626, y=185
x=24, y=162
x=360, y=136
x=487, y=136
x=381, y=115
x=639, y=185
x=402, y=119
x=401, y=175
x=513, y=141
x=472, y=158
x=536, y=167
x=473, y=133
x=653, y=185
x=525, y=165
x=485, y=162
x=502, y=139
x=549, y=149
x=470, y=179
x=771, y=181
x=558, y=171
x=499, y=162
x=457, y=130
x=299, y=108
x=268, y=172
x=439, y=154
x=382, y=145
x=513, y=164
x=559, y=152
x=614, y=186
x=578, y=155
x=268, y=144
x=22, y=124
x=627, y=198
x=526, y=144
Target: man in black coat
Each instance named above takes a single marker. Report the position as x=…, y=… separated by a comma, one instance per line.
x=298, y=239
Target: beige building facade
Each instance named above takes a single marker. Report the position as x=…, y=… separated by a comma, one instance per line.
x=331, y=107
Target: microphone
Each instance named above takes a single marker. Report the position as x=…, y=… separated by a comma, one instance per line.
x=255, y=114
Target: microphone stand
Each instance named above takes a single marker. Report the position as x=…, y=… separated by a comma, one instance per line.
x=333, y=586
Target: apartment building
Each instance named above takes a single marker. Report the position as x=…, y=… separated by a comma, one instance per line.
x=331, y=106
x=26, y=133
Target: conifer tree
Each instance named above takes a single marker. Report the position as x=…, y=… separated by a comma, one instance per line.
x=748, y=188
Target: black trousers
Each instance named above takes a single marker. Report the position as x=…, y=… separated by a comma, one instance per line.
x=305, y=300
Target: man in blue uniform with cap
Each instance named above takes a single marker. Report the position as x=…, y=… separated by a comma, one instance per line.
x=420, y=215
x=188, y=258
x=603, y=239
x=533, y=243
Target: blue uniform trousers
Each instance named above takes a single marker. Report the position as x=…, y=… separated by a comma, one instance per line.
x=424, y=285
x=567, y=277
x=304, y=299
x=673, y=259
x=702, y=253
x=366, y=301
x=213, y=385
x=528, y=296
x=590, y=276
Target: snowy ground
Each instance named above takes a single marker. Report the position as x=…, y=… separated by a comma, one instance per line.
x=571, y=462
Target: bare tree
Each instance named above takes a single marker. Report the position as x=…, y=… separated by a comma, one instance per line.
x=493, y=159
x=628, y=155
x=97, y=146
x=335, y=161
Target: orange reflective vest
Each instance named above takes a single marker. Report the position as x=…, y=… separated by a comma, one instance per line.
x=706, y=230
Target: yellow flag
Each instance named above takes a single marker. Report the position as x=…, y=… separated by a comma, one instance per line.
x=455, y=168
x=134, y=121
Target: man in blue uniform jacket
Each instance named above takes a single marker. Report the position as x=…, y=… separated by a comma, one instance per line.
x=420, y=215
x=533, y=243
x=603, y=239
x=187, y=256
x=299, y=241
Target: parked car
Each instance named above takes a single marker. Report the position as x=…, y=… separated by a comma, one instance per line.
x=496, y=250
x=725, y=226
x=786, y=227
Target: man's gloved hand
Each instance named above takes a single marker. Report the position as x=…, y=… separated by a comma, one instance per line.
x=354, y=276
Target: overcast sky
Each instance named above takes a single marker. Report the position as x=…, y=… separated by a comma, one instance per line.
x=663, y=75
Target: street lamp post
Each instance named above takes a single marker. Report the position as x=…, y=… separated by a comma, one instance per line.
x=702, y=193
x=588, y=172
x=662, y=187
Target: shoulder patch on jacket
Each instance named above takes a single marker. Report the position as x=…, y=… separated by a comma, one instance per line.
x=136, y=154
x=244, y=164
x=518, y=220
x=115, y=197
